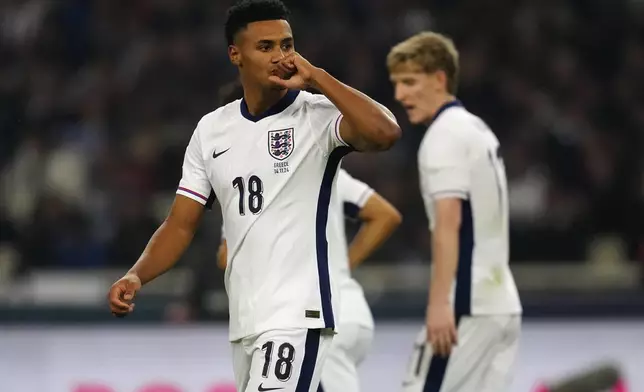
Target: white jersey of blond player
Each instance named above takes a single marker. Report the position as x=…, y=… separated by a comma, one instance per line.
x=273, y=176
x=459, y=158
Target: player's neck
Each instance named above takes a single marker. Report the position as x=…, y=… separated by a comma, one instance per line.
x=441, y=101
x=438, y=102
x=260, y=100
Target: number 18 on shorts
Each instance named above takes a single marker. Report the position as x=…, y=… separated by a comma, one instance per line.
x=281, y=360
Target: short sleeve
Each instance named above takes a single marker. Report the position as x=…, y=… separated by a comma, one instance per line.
x=194, y=182
x=354, y=193
x=444, y=165
x=326, y=118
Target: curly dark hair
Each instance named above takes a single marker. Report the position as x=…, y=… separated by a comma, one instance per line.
x=248, y=11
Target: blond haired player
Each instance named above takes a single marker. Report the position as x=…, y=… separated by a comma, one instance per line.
x=472, y=327
x=378, y=221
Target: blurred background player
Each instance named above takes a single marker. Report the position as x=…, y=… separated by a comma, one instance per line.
x=271, y=160
x=473, y=302
x=378, y=220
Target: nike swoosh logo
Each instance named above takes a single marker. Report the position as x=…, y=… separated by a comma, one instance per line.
x=262, y=389
x=215, y=154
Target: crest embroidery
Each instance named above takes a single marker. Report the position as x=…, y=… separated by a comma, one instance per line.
x=280, y=143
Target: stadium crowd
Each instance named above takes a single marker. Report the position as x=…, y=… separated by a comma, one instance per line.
x=98, y=100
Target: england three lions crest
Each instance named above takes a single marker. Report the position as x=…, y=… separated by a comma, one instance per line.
x=280, y=143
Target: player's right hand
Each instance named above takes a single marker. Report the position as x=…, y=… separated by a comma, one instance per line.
x=296, y=72
x=441, y=329
x=122, y=294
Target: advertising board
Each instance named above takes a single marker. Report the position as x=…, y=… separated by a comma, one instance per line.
x=197, y=359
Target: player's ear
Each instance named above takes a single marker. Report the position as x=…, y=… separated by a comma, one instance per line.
x=440, y=79
x=234, y=55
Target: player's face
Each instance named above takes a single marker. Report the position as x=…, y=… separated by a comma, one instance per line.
x=259, y=48
x=417, y=92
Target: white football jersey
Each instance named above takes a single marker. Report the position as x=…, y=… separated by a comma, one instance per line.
x=273, y=175
x=353, y=195
x=459, y=157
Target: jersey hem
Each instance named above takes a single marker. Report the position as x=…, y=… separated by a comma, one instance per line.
x=449, y=193
x=198, y=197
x=337, y=131
x=495, y=312
x=364, y=197
x=319, y=324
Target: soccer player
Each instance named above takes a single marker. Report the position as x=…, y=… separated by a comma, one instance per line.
x=473, y=318
x=379, y=219
x=271, y=160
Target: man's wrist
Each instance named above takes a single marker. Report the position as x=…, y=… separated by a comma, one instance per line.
x=317, y=75
x=439, y=300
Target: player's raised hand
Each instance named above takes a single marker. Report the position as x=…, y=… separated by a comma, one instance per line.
x=294, y=72
x=441, y=329
x=122, y=294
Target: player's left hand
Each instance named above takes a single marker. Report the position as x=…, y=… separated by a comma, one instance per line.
x=295, y=72
x=441, y=329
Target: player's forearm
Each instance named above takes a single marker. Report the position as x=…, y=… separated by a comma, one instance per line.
x=366, y=116
x=163, y=251
x=445, y=264
x=371, y=235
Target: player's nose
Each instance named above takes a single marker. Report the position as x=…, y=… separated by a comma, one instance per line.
x=278, y=55
x=399, y=93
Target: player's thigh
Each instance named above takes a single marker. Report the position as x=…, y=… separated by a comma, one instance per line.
x=348, y=349
x=462, y=371
x=354, y=340
x=362, y=345
x=499, y=373
x=241, y=365
x=339, y=373
x=288, y=360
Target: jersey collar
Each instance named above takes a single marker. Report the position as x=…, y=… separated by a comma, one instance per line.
x=445, y=106
x=279, y=107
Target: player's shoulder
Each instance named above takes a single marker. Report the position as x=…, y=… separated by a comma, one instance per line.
x=345, y=179
x=220, y=117
x=454, y=121
x=456, y=125
x=353, y=190
x=451, y=134
x=342, y=174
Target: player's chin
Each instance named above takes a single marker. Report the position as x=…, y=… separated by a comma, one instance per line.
x=413, y=119
x=275, y=86
x=416, y=118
